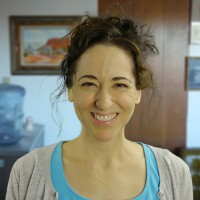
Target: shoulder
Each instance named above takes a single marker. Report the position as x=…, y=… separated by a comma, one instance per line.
x=166, y=158
x=36, y=158
x=175, y=177
x=30, y=175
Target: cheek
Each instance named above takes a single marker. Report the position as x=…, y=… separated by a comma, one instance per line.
x=82, y=101
x=82, y=106
x=126, y=102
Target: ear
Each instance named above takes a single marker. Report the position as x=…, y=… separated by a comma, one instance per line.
x=138, y=96
x=70, y=94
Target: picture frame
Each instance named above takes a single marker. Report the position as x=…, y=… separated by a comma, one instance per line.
x=192, y=73
x=38, y=43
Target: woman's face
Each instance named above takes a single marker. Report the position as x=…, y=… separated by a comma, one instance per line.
x=104, y=92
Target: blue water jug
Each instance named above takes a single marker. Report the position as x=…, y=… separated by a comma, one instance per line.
x=11, y=112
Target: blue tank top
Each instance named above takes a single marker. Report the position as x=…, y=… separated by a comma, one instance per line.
x=65, y=191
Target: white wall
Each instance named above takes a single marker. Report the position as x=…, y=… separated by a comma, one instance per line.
x=39, y=88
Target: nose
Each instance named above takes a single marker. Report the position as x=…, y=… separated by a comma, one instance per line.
x=104, y=99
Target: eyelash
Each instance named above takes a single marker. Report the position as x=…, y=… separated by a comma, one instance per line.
x=120, y=85
x=117, y=85
x=88, y=84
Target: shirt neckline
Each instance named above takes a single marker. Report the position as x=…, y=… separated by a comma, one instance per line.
x=65, y=183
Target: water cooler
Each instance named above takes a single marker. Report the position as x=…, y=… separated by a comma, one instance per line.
x=11, y=112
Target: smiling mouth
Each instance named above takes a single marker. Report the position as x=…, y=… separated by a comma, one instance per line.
x=104, y=117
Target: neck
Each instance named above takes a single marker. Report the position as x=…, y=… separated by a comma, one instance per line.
x=104, y=154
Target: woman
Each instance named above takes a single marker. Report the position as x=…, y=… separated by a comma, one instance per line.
x=104, y=72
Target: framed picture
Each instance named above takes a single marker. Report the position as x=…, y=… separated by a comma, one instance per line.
x=38, y=43
x=192, y=158
x=193, y=73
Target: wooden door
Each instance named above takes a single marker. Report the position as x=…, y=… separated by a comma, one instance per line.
x=161, y=120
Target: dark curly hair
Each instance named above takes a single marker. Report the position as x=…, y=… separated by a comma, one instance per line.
x=135, y=39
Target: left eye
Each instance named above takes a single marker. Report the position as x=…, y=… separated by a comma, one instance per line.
x=120, y=85
x=88, y=84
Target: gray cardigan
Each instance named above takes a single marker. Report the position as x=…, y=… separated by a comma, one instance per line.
x=30, y=177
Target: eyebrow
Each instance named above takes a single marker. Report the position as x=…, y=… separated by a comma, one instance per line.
x=88, y=76
x=118, y=78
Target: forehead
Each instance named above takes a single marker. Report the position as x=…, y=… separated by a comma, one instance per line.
x=105, y=60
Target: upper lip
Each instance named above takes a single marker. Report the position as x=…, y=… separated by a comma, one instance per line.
x=104, y=114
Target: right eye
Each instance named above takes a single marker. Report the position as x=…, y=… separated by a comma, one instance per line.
x=88, y=84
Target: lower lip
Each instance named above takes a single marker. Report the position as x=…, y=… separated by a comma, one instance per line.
x=103, y=123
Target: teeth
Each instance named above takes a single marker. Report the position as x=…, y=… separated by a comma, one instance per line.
x=104, y=118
